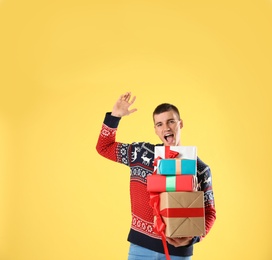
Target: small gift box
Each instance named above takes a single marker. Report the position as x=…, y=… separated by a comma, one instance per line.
x=183, y=213
x=178, y=152
x=161, y=183
x=174, y=152
x=176, y=166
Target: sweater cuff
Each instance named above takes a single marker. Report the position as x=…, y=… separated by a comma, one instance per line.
x=194, y=240
x=111, y=121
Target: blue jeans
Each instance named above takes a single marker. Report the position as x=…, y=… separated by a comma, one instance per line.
x=141, y=253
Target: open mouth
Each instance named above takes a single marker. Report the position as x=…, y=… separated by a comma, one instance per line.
x=169, y=138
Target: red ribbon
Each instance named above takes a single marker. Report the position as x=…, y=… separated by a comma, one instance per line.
x=182, y=212
x=159, y=225
x=156, y=160
x=168, y=154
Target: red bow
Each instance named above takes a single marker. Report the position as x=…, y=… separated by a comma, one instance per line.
x=156, y=160
x=169, y=153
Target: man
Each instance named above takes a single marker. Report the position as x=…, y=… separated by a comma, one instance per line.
x=139, y=156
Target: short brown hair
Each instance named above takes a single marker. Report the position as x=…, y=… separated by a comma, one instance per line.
x=164, y=107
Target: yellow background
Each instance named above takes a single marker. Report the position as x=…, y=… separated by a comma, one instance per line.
x=63, y=64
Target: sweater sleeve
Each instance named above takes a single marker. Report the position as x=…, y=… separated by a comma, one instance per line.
x=106, y=144
x=205, y=184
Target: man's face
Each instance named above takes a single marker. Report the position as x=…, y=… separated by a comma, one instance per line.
x=167, y=126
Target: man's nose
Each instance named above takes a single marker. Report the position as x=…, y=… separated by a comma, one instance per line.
x=166, y=127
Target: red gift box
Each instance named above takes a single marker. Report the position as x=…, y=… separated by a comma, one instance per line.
x=162, y=183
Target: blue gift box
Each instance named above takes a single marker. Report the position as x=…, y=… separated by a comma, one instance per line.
x=176, y=166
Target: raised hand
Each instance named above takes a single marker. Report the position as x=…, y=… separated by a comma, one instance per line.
x=122, y=105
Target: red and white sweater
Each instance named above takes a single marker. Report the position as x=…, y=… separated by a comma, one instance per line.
x=139, y=156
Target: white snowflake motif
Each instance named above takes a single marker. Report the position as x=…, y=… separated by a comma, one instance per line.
x=143, y=174
x=149, y=228
x=208, y=180
x=124, y=160
x=138, y=223
x=143, y=226
x=123, y=151
x=105, y=132
x=134, y=172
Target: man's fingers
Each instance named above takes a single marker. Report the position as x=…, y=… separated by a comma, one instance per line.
x=132, y=100
x=132, y=110
x=126, y=96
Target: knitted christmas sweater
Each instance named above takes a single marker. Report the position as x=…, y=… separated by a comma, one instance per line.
x=139, y=156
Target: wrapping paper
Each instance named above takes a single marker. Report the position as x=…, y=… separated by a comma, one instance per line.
x=176, y=166
x=178, y=152
x=162, y=183
x=174, y=152
x=183, y=213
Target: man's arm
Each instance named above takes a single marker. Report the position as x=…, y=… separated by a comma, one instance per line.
x=205, y=184
x=106, y=144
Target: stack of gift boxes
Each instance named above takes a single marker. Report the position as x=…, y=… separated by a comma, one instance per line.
x=174, y=182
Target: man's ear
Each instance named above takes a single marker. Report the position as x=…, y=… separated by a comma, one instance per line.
x=181, y=124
